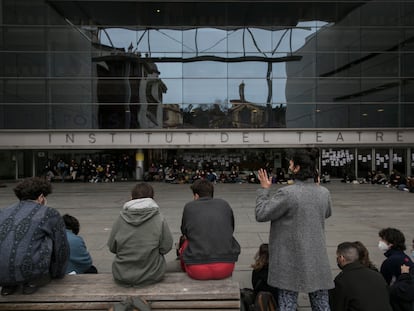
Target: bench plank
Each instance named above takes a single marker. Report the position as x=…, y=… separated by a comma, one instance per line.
x=98, y=291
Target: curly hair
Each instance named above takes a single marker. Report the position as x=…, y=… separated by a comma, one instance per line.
x=262, y=257
x=71, y=223
x=393, y=236
x=141, y=191
x=31, y=188
x=307, y=160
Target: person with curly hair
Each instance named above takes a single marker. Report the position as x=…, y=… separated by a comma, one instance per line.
x=392, y=243
x=33, y=242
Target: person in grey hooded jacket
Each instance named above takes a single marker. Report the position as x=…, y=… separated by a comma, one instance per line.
x=140, y=238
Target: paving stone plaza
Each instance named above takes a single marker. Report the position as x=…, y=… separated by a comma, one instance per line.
x=359, y=212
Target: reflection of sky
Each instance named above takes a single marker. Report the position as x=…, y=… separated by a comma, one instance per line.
x=212, y=82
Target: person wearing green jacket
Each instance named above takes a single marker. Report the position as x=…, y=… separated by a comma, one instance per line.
x=140, y=238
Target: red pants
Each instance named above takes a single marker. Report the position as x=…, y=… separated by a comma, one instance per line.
x=207, y=271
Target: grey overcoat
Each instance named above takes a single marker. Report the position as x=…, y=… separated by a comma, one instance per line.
x=298, y=257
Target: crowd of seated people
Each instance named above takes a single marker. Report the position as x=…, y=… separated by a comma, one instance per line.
x=87, y=170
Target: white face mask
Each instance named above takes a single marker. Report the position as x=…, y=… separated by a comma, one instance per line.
x=383, y=246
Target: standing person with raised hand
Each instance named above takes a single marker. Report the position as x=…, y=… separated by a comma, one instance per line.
x=298, y=259
x=33, y=241
x=140, y=238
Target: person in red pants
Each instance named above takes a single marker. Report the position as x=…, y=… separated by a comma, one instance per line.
x=209, y=250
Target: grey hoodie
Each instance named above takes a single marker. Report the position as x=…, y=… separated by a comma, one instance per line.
x=139, y=239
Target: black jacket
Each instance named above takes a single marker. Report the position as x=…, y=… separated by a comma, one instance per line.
x=358, y=288
x=208, y=225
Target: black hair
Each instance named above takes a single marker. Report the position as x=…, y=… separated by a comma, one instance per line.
x=348, y=250
x=203, y=188
x=71, y=223
x=307, y=160
x=141, y=191
x=393, y=236
x=31, y=188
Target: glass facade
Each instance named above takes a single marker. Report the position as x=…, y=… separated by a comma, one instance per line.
x=163, y=64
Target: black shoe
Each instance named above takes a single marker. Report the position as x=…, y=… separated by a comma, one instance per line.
x=29, y=288
x=8, y=290
x=32, y=286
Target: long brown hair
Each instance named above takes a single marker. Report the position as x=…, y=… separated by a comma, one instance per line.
x=261, y=259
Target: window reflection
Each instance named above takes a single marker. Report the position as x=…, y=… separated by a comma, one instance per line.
x=149, y=69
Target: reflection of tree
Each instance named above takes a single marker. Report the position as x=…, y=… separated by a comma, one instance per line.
x=206, y=116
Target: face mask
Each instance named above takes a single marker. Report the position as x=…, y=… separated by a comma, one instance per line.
x=383, y=246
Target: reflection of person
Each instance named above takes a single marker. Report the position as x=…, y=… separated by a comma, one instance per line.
x=392, y=243
x=357, y=287
x=80, y=261
x=140, y=238
x=298, y=258
x=261, y=270
x=33, y=241
x=210, y=250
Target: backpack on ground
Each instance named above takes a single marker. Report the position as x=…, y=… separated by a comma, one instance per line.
x=265, y=302
x=131, y=304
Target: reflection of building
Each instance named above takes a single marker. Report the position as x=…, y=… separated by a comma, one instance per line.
x=129, y=92
x=172, y=116
x=332, y=74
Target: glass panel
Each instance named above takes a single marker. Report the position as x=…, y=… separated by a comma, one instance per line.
x=174, y=92
x=204, y=91
x=364, y=165
x=252, y=91
x=20, y=116
x=24, y=38
x=205, y=40
x=381, y=14
x=70, y=91
x=338, y=39
x=338, y=163
x=380, y=39
x=23, y=64
x=245, y=70
x=205, y=70
x=399, y=161
x=68, y=39
x=25, y=91
x=382, y=163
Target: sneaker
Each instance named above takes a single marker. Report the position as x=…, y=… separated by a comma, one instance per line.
x=8, y=290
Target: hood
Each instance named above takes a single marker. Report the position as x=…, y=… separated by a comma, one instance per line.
x=137, y=211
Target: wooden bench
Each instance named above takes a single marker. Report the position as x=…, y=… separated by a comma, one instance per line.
x=98, y=292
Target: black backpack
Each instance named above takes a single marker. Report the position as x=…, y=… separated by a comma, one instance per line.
x=264, y=301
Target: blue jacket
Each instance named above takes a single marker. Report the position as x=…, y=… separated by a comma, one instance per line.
x=80, y=260
x=391, y=267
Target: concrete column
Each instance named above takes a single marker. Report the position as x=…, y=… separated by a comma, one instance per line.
x=139, y=166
